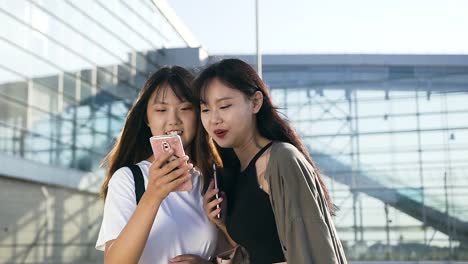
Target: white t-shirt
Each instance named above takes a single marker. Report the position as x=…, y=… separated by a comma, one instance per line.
x=180, y=227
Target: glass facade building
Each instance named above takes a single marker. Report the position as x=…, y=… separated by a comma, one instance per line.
x=69, y=72
x=391, y=135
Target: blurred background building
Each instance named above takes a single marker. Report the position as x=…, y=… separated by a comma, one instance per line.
x=388, y=131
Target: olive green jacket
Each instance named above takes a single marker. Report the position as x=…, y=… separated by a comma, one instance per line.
x=305, y=226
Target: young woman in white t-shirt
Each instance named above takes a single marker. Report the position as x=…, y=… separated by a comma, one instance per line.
x=165, y=226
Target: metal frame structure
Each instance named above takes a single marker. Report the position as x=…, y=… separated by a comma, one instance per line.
x=302, y=84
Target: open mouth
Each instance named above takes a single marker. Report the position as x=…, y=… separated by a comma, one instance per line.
x=220, y=132
x=175, y=132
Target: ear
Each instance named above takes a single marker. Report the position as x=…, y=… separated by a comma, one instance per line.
x=257, y=101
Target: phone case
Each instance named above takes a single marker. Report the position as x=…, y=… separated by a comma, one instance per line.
x=161, y=144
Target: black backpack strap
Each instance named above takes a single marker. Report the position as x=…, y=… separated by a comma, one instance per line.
x=139, y=182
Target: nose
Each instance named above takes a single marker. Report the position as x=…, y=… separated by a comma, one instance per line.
x=174, y=118
x=215, y=117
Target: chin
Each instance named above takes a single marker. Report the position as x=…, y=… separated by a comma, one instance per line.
x=224, y=144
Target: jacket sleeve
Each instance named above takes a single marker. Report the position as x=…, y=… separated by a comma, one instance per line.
x=304, y=224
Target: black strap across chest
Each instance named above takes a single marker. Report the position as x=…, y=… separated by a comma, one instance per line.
x=139, y=182
x=257, y=156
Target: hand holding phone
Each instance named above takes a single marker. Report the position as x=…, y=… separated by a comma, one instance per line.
x=215, y=177
x=162, y=144
x=214, y=202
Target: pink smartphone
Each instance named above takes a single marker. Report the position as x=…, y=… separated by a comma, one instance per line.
x=161, y=144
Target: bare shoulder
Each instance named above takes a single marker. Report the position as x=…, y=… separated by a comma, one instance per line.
x=261, y=167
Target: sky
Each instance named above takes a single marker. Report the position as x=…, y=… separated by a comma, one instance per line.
x=331, y=26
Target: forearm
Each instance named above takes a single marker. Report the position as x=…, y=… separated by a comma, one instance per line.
x=228, y=238
x=129, y=245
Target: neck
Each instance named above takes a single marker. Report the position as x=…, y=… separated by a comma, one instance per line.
x=249, y=147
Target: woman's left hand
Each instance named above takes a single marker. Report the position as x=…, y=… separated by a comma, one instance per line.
x=210, y=203
x=189, y=259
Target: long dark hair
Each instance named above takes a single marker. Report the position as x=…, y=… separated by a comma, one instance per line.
x=132, y=146
x=239, y=75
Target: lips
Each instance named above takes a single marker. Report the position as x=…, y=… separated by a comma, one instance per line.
x=220, y=133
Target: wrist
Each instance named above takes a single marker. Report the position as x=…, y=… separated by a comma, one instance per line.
x=223, y=229
x=151, y=199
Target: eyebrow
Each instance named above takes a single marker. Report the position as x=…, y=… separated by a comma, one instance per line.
x=217, y=100
x=156, y=102
x=165, y=103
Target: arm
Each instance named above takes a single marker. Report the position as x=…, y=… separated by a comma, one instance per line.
x=129, y=244
x=304, y=225
x=225, y=241
x=210, y=203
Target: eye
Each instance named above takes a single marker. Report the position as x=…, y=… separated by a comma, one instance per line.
x=225, y=106
x=186, y=108
x=160, y=110
x=205, y=110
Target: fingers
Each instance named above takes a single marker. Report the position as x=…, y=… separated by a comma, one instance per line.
x=187, y=259
x=178, y=180
x=212, y=205
x=211, y=186
x=168, y=183
x=162, y=159
x=210, y=192
x=180, y=172
x=214, y=214
x=166, y=168
x=175, y=163
x=164, y=180
x=181, y=258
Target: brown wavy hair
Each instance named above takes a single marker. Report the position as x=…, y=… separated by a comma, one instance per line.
x=239, y=75
x=132, y=146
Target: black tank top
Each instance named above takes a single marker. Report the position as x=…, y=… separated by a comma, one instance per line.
x=250, y=220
